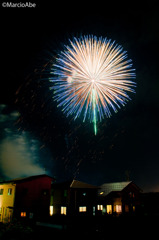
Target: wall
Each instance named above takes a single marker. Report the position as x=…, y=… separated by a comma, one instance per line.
x=33, y=197
x=7, y=202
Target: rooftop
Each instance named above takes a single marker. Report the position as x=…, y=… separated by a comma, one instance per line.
x=74, y=184
x=106, y=188
x=25, y=178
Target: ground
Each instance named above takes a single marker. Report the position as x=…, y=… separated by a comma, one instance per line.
x=82, y=228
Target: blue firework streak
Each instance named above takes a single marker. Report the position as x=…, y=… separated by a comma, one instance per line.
x=91, y=77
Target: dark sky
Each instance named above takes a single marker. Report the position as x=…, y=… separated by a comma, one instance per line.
x=126, y=146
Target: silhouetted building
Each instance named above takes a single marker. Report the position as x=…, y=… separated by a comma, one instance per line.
x=38, y=197
x=25, y=197
x=119, y=198
x=73, y=198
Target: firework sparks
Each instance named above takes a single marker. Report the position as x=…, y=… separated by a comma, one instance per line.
x=91, y=77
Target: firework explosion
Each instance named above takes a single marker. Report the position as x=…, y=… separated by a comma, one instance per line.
x=91, y=77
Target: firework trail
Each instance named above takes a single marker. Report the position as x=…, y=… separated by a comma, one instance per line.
x=91, y=77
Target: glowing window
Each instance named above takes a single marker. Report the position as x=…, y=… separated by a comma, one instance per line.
x=9, y=191
x=101, y=193
x=1, y=191
x=51, y=210
x=63, y=210
x=82, y=209
x=126, y=208
x=118, y=208
x=100, y=207
x=23, y=214
x=109, y=209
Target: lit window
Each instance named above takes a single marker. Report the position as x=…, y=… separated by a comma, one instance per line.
x=100, y=207
x=133, y=208
x=101, y=193
x=118, y=208
x=9, y=191
x=109, y=209
x=23, y=214
x=51, y=210
x=126, y=208
x=82, y=209
x=1, y=191
x=63, y=210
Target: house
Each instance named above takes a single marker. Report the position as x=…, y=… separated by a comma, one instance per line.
x=7, y=198
x=119, y=197
x=27, y=197
x=38, y=197
x=73, y=198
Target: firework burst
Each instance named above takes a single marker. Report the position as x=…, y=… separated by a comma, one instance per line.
x=91, y=77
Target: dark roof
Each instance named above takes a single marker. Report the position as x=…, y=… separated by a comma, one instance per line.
x=106, y=188
x=79, y=184
x=74, y=184
x=16, y=180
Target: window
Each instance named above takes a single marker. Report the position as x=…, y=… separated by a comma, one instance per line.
x=101, y=193
x=9, y=191
x=100, y=207
x=5, y=211
x=126, y=208
x=51, y=210
x=118, y=208
x=31, y=215
x=109, y=209
x=23, y=214
x=63, y=210
x=65, y=193
x=1, y=191
x=82, y=209
x=94, y=210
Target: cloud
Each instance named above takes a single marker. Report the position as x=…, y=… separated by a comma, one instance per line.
x=16, y=161
x=19, y=151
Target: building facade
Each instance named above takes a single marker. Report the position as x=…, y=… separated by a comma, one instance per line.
x=7, y=199
x=25, y=198
x=38, y=197
x=119, y=198
x=73, y=198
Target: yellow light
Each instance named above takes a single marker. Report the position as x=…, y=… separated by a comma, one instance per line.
x=23, y=214
x=100, y=207
x=109, y=209
x=101, y=193
x=63, y=210
x=51, y=210
x=82, y=209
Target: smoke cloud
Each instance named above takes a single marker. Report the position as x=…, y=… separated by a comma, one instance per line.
x=19, y=151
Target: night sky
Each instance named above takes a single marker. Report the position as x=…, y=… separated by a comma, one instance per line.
x=35, y=135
